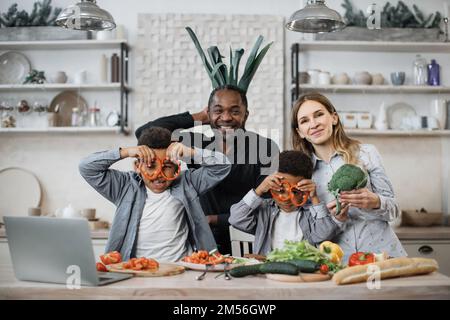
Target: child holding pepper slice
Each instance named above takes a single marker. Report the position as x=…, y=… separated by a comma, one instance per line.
x=288, y=215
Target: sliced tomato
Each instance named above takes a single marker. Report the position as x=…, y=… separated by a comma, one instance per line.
x=111, y=257
x=101, y=267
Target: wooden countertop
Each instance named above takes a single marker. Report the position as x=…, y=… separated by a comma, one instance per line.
x=185, y=287
x=421, y=233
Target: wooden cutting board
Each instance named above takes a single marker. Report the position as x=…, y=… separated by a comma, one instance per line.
x=302, y=277
x=164, y=270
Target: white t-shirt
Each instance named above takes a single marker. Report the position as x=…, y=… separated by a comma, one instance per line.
x=286, y=227
x=163, y=230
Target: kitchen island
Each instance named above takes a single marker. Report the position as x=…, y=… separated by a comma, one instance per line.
x=184, y=287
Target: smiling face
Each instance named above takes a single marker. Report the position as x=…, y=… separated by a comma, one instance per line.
x=287, y=205
x=158, y=184
x=315, y=122
x=227, y=112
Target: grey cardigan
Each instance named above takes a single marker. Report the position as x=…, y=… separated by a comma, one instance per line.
x=127, y=191
x=256, y=215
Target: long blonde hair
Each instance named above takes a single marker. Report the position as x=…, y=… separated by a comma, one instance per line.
x=345, y=146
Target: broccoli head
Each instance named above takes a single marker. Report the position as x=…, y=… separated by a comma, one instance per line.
x=347, y=177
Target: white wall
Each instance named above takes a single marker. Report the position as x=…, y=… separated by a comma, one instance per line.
x=414, y=164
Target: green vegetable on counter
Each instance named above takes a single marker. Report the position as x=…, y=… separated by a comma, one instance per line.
x=347, y=177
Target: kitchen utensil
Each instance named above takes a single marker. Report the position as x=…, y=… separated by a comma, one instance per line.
x=438, y=110
x=227, y=270
x=398, y=78
x=34, y=211
x=377, y=79
x=165, y=269
x=113, y=119
x=203, y=275
x=340, y=79
x=15, y=67
x=20, y=190
x=313, y=76
x=70, y=212
x=381, y=122
x=397, y=112
x=59, y=77
x=63, y=104
x=80, y=77
x=362, y=78
x=364, y=120
x=88, y=213
x=324, y=78
x=349, y=120
x=301, y=277
x=421, y=218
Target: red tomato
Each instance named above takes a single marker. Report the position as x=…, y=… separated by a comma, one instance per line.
x=101, y=267
x=324, y=269
x=111, y=257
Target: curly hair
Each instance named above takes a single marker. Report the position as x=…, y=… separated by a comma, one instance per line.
x=296, y=163
x=232, y=88
x=155, y=138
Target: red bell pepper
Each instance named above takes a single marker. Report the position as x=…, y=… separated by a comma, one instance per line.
x=361, y=258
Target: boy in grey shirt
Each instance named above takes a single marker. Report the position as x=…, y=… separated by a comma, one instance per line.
x=294, y=212
x=158, y=213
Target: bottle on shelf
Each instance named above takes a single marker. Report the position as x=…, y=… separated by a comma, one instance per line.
x=115, y=68
x=103, y=69
x=433, y=73
x=420, y=71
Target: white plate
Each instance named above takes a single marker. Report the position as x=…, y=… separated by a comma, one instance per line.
x=20, y=190
x=14, y=68
x=397, y=112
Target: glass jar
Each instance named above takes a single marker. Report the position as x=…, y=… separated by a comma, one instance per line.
x=420, y=71
x=75, y=117
x=94, y=117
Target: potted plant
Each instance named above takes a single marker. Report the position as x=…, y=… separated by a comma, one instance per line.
x=398, y=23
x=19, y=25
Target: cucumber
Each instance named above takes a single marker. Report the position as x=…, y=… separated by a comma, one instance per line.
x=243, y=271
x=279, y=267
x=306, y=266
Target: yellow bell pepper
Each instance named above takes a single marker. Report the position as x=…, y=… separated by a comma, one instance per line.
x=332, y=250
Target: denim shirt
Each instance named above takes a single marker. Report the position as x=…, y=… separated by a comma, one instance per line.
x=127, y=191
x=366, y=229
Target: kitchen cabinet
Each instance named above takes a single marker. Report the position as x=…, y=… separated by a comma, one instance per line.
x=78, y=52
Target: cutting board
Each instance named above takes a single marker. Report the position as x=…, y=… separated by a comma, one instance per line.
x=302, y=277
x=164, y=270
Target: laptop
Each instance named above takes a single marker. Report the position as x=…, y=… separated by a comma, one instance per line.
x=55, y=250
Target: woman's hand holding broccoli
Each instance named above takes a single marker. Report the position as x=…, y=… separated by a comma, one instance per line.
x=343, y=214
x=361, y=198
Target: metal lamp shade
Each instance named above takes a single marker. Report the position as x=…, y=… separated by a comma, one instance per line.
x=316, y=17
x=85, y=15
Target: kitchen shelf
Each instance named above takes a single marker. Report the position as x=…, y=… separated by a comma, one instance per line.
x=61, y=86
x=398, y=133
x=375, y=46
x=61, y=44
x=121, y=87
x=63, y=130
x=375, y=88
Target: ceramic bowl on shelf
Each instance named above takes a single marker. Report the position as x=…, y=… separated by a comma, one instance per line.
x=340, y=79
x=377, y=79
x=362, y=78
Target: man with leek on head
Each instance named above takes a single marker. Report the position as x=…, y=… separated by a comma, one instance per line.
x=252, y=156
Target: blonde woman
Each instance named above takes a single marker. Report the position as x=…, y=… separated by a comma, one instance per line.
x=366, y=212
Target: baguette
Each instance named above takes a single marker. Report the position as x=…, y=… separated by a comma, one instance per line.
x=396, y=267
